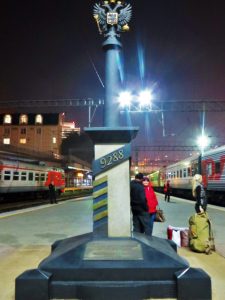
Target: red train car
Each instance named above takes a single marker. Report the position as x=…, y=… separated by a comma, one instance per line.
x=18, y=177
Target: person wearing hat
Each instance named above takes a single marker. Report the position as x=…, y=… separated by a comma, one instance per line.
x=199, y=194
x=139, y=206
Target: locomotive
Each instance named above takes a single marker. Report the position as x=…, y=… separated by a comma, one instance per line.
x=21, y=178
x=211, y=165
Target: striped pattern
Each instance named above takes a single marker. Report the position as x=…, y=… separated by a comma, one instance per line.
x=216, y=182
x=100, y=201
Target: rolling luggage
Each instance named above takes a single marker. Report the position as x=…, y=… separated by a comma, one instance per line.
x=201, y=235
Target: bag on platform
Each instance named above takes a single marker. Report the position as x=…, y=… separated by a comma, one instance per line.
x=159, y=217
x=201, y=234
x=180, y=235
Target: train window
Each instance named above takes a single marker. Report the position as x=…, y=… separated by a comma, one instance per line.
x=30, y=176
x=181, y=174
x=36, y=176
x=217, y=167
x=16, y=175
x=177, y=174
x=189, y=171
x=209, y=169
x=23, y=176
x=42, y=176
x=194, y=168
x=7, y=175
x=185, y=172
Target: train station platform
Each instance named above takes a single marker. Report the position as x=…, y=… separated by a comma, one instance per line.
x=26, y=237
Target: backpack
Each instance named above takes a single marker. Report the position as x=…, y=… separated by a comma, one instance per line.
x=200, y=233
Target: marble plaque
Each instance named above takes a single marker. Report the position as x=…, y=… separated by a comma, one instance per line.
x=113, y=250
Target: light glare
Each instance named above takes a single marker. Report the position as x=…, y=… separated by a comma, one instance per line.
x=125, y=99
x=203, y=142
x=145, y=97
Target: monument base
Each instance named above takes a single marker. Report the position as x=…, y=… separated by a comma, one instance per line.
x=93, y=267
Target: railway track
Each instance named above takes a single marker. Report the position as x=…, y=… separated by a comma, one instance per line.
x=11, y=205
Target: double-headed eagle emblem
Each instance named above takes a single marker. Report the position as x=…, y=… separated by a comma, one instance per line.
x=112, y=13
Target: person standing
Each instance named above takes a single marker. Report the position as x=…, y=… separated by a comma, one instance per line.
x=152, y=201
x=52, y=193
x=167, y=191
x=139, y=206
x=199, y=194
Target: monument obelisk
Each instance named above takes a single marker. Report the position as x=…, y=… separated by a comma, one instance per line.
x=117, y=265
x=111, y=167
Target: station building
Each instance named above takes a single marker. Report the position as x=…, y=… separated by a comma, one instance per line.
x=39, y=137
x=35, y=132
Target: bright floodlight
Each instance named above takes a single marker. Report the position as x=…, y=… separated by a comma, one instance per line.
x=145, y=98
x=203, y=142
x=125, y=99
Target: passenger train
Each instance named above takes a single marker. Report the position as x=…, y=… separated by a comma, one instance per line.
x=212, y=167
x=23, y=178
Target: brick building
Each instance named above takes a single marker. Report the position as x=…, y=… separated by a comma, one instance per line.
x=35, y=132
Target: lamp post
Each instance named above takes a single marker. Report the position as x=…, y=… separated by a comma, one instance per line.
x=112, y=18
x=203, y=142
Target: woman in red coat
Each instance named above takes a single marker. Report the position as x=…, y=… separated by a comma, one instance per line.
x=152, y=201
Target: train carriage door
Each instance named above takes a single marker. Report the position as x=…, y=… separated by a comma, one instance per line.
x=208, y=171
x=222, y=165
x=204, y=174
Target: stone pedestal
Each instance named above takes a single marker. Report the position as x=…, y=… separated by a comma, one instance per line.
x=99, y=268
x=113, y=264
x=112, y=160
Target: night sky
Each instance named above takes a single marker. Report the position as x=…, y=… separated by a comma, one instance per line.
x=48, y=50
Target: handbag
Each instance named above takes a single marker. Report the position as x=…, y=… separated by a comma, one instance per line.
x=159, y=217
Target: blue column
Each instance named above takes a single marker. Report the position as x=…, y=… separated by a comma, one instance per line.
x=112, y=48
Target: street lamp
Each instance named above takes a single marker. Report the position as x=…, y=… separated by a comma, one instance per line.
x=125, y=99
x=203, y=142
x=145, y=98
x=141, y=100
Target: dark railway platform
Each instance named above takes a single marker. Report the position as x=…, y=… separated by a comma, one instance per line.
x=26, y=237
x=69, y=193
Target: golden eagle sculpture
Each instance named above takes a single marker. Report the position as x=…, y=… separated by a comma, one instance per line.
x=114, y=14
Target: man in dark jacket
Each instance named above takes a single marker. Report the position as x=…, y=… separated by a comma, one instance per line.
x=139, y=206
x=52, y=193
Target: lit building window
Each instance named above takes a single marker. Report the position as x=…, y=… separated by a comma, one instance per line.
x=7, y=119
x=38, y=119
x=23, y=119
x=23, y=141
x=54, y=140
x=6, y=141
